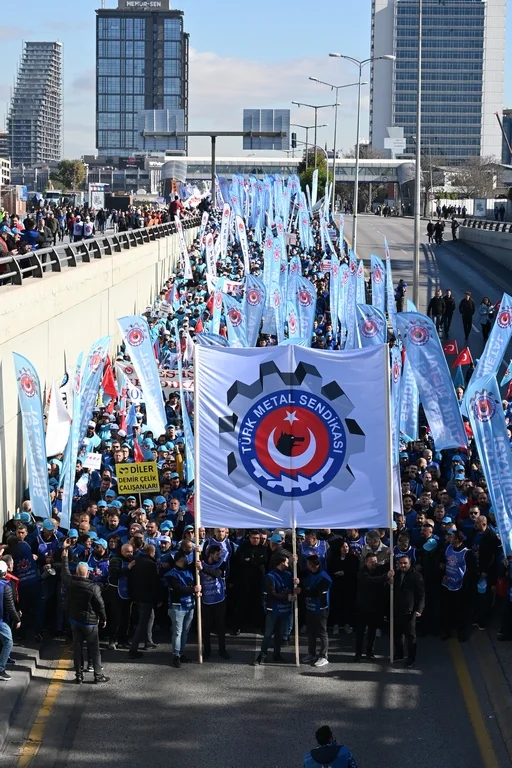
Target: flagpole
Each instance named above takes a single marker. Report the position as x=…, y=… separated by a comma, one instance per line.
x=389, y=464
x=296, y=602
x=197, y=507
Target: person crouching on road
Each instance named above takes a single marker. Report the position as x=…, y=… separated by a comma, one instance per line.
x=85, y=609
x=328, y=752
x=316, y=588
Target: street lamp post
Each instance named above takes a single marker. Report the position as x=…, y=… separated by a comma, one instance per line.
x=417, y=180
x=307, y=128
x=359, y=64
x=316, y=108
x=334, y=88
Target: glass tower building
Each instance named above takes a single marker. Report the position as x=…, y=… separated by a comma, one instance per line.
x=141, y=64
x=34, y=123
x=463, y=51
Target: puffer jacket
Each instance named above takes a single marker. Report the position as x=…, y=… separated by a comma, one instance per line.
x=84, y=601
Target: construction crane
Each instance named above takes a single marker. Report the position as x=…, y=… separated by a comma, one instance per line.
x=500, y=122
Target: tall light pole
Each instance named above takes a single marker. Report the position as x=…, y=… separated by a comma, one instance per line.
x=417, y=180
x=359, y=64
x=334, y=88
x=307, y=128
x=316, y=108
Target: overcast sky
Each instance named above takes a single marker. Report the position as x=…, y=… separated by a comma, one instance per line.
x=242, y=55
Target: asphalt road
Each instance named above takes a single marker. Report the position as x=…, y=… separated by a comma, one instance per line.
x=453, y=265
x=234, y=715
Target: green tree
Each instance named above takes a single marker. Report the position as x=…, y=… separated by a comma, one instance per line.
x=306, y=174
x=70, y=174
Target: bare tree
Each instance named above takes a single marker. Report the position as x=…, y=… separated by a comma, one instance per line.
x=477, y=177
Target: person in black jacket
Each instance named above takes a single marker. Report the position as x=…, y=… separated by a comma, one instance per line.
x=144, y=586
x=371, y=581
x=7, y=611
x=248, y=572
x=467, y=310
x=485, y=546
x=85, y=607
x=409, y=602
x=436, y=309
x=449, y=308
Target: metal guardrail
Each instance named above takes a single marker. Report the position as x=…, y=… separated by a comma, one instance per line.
x=489, y=224
x=55, y=258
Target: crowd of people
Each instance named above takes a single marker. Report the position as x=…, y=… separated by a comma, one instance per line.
x=130, y=563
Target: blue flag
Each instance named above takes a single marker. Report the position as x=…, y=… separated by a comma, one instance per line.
x=71, y=452
x=236, y=321
x=435, y=385
x=211, y=340
x=360, y=286
x=217, y=305
x=378, y=283
x=507, y=375
x=396, y=371
x=277, y=304
x=409, y=403
x=31, y=405
x=305, y=305
x=371, y=325
x=458, y=379
x=254, y=304
x=350, y=305
x=187, y=428
x=487, y=420
x=91, y=379
x=497, y=343
x=390, y=291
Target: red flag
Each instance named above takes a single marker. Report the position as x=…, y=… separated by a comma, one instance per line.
x=199, y=326
x=108, y=382
x=508, y=396
x=122, y=421
x=223, y=331
x=209, y=304
x=110, y=407
x=463, y=358
x=137, y=451
x=450, y=348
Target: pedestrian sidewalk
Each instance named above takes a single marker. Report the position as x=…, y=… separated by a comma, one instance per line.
x=13, y=691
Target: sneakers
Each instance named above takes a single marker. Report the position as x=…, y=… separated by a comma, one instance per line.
x=260, y=659
x=5, y=676
x=321, y=662
x=79, y=679
x=112, y=646
x=176, y=662
x=101, y=679
x=308, y=659
x=371, y=656
x=348, y=629
x=150, y=645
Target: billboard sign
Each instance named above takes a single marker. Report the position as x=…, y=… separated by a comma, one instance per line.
x=268, y=121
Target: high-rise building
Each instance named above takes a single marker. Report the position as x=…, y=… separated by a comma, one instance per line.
x=141, y=64
x=34, y=122
x=463, y=63
x=4, y=144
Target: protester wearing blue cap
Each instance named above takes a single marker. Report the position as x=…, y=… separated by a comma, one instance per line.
x=98, y=562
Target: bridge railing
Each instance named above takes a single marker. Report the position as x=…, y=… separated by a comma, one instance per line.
x=15, y=269
x=488, y=224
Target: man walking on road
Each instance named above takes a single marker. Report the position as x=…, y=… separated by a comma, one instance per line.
x=467, y=310
x=85, y=607
x=436, y=309
x=409, y=603
x=449, y=309
x=7, y=610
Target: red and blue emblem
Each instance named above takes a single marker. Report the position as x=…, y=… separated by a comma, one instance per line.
x=484, y=407
x=504, y=318
x=418, y=334
x=292, y=443
x=254, y=297
x=304, y=298
x=369, y=327
x=377, y=275
x=27, y=383
x=135, y=335
x=235, y=317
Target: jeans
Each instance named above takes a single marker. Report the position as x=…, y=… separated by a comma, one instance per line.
x=405, y=628
x=438, y=319
x=91, y=637
x=144, y=630
x=6, y=641
x=275, y=624
x=181, y=621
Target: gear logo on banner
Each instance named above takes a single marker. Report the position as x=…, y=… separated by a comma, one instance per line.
x=290, y=436
x=418, y=334
x=484, y=406
x=135, y=335
x=27, y=383
x=377, y=275
x=369, y=327
x=504, y=318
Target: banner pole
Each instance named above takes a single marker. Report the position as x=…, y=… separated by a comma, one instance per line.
x=197, y=505
x=389, y=462
x=296, y=602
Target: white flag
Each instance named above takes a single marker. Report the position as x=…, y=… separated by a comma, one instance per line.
x=293, y=436
x=57, y=428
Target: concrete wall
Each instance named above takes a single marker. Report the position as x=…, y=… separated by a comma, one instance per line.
x=496, y=246
x=51, y=320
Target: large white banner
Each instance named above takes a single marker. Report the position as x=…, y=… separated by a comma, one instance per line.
x=293, y=436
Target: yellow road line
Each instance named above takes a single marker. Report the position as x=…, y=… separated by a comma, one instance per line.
x=34, y=739
x=489, y=759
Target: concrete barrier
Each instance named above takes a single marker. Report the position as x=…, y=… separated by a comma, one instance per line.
x=496, y=246
x=51, y=319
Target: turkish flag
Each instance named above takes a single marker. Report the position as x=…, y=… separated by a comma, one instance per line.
x=450, y=348
x=463, y=358
x=199, y=326
x=108, y=382
x=137, y=451
x=122, y=421
x=209, y=304
x=467, y=427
